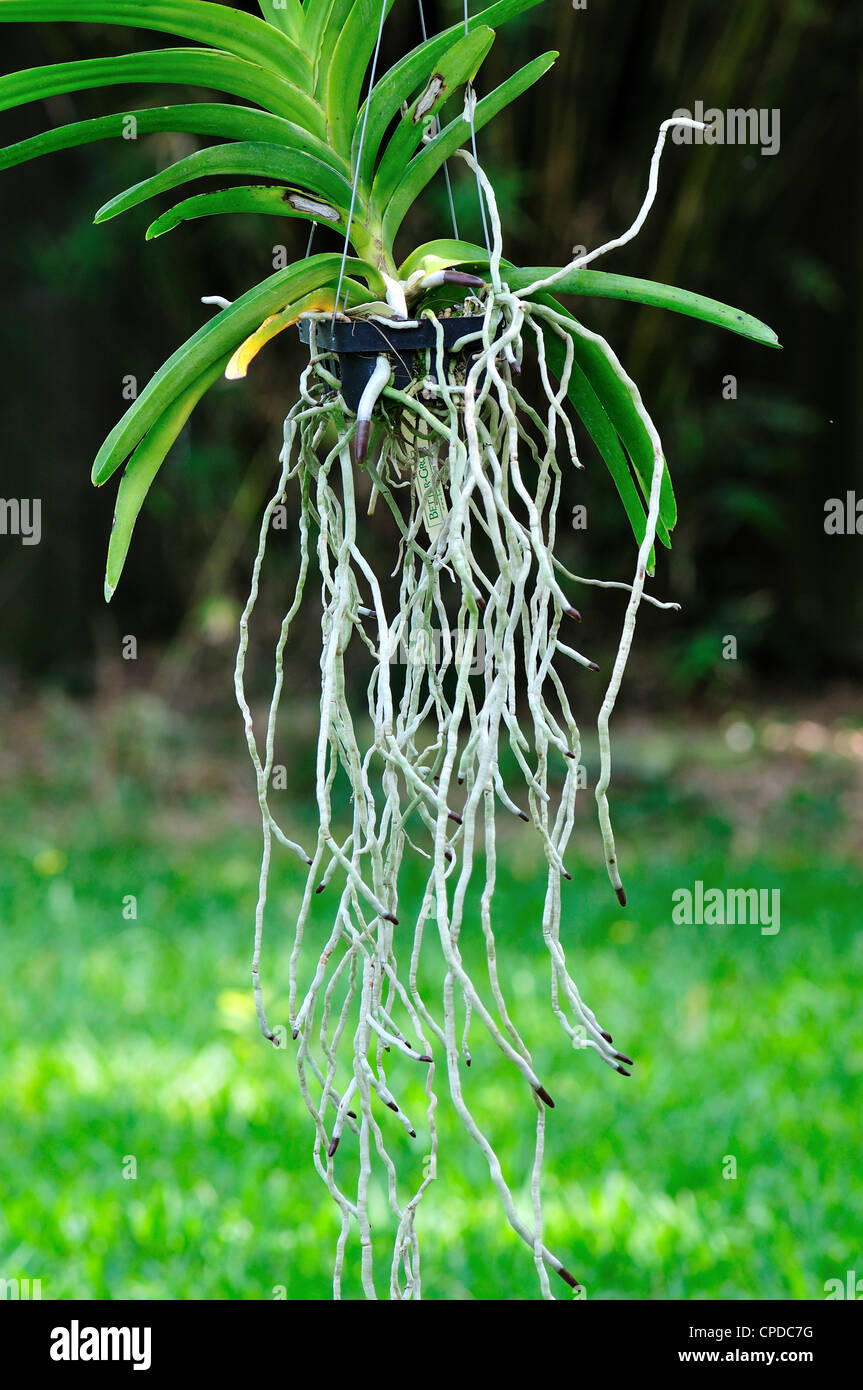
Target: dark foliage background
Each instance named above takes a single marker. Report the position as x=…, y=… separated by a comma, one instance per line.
x=86, y=306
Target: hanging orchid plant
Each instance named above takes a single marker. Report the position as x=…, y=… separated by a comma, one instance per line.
x=414, y=364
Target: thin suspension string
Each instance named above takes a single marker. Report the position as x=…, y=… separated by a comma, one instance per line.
x=470, y=102
x=359, y=158
x=436, y=129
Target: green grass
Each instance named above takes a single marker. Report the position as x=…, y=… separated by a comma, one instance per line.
x=137, y=1038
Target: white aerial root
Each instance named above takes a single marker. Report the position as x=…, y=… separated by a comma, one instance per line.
x=480, y=700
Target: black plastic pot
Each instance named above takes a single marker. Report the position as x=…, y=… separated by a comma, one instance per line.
x=358, y=343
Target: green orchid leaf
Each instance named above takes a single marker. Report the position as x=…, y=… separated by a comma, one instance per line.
x=260, y=160
x=219, y=337
x=144, y=465
x=455, y=68
x=590, y=410
x=196, y=67
x=346, y=70
x=441, y=255
x=618, y=404
x=400, y=83
x=601, y=284
x=258, y=198
x=286, y=15
x=196, y=118
x=217, y=25
x=426, y=164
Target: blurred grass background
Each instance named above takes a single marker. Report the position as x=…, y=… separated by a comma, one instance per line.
x=138, y=1037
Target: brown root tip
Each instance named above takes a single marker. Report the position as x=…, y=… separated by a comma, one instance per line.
x=607, y=1036
x=467, y=1061
x=568, y=753
x=545, y=1097
x=412, y=1133
x=515, y=367
x=524, y=816
x=425, y=1058
x=295, y=1034
x=320, y=888
x=274, y=1040
x=392, y=1105
x=448, y=855
x=592, y=666
x=568, y=1278
x=566, y=875
x=622, y=1057
x=391, y=917
x=461, y=781
x=352, y=1114
x=623, y=1072
x=333, y=1146
x=310, y=862
x=454, y=815
x=621, y=896
x=574, y=613
x=461, y=277
x=480, y=603
x=361, y=444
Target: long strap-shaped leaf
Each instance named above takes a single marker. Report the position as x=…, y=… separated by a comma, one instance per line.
x=143, y=466
x=601, y=284
x=255, y=158
x=258, y=198
x=197, y=67
x=221, y=26
x=620, y=409
x=286, y=15
x=426, y=164
x=399, y=84
x=444, y=79
x=346, y=70
x=195, y=118
x=446, y=251
x=217, y=338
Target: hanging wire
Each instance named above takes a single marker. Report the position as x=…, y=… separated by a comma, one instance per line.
x=311, y=239
x=470, y=102
x=359, y=158
x=436, y=129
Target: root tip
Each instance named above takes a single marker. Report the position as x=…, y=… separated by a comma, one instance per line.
x=568, y=1278
x=333, y=1146
x=621, y=896
x=545, y=1097
x=361, y=444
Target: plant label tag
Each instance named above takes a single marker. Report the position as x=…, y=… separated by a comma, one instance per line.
x=431, y=497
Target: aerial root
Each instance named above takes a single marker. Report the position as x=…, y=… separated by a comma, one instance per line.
x=479, y=660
